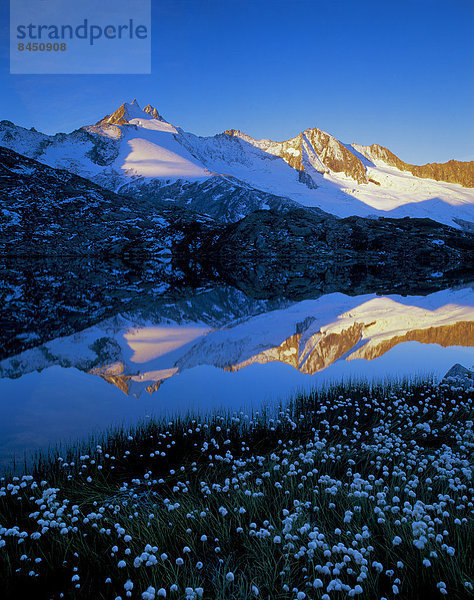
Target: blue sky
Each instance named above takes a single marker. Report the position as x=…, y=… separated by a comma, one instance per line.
x=399, y=73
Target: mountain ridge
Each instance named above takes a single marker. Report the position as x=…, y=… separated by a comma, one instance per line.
x=138, y=150
x=452, y=171
x=328, y=147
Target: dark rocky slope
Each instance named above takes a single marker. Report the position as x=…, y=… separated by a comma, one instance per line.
x=334, y=253
x=51, y=212
x=225, y=199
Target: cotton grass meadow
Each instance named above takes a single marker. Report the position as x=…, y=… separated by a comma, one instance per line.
x=351, y=492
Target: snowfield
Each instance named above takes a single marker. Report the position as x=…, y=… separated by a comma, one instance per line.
x=138, y=147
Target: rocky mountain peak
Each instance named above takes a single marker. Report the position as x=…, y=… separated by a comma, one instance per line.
x=122, y=115
x=311, y=150
x=128, y=111
x=152, y=111
x=376, y=152
x=319, y=145
x=236, y=133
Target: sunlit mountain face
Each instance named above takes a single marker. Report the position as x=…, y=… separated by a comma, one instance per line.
x=139, y=154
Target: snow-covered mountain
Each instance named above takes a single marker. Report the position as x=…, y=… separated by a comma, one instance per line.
x=229, y=175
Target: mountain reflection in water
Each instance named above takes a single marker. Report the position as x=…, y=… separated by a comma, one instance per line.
x=214, y=346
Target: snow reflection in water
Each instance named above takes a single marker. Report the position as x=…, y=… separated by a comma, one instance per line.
x=127, y=368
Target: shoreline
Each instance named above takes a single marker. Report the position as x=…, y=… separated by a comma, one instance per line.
x=310, y=501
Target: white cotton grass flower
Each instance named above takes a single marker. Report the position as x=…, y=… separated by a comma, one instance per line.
x=397, y=540
x=317, y=583
x=230, y=576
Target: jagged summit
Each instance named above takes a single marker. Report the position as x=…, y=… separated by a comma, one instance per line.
x=128, y=111
x=151, y=110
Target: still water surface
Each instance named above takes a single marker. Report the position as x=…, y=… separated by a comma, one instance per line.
x=219, y=349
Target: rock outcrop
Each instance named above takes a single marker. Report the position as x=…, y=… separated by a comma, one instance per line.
x=460, y=376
